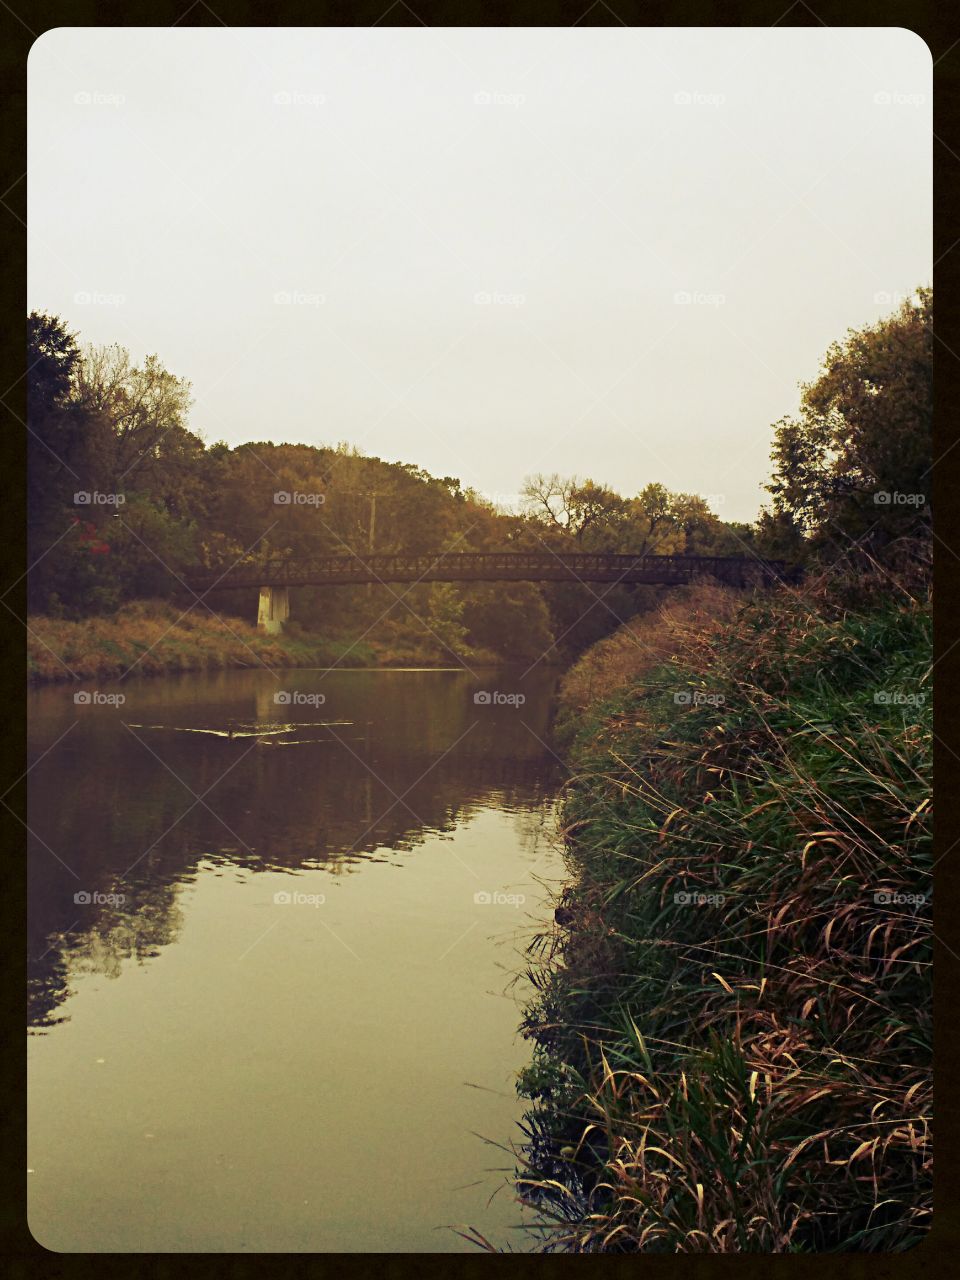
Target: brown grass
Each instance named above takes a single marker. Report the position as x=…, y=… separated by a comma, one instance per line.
x=751, y=1073
x=648, y=640
x=151, y=638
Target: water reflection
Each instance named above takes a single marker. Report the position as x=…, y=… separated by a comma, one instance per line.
x=134, y=800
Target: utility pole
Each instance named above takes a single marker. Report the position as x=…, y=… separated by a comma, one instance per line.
x=373, y=526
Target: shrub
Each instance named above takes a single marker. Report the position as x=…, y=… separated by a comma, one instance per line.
x=733, y=1035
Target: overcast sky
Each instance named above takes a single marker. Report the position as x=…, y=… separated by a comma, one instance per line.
x=609, y=252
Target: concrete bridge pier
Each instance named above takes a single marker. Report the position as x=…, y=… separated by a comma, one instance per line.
x=274, y=609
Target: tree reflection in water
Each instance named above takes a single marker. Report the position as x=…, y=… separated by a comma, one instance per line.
x=129, y=806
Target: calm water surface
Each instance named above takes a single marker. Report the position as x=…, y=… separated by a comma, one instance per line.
x=271, y=952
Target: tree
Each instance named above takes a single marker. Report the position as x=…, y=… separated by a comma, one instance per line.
x=52, y=355
x=667, y=523
x=444, y=616
x=144, y=404
x=578, y=507
x=856, y=462
x=778, y=536
x=511, y=618
x=55, y=429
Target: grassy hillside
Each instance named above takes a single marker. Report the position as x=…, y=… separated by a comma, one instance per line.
x=733, y=1022
x=149, y=638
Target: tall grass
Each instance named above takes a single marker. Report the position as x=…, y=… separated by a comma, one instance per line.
x=732, y=1029
x=151, y=638
x=642, y=643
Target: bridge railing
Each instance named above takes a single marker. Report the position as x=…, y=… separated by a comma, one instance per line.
x=494, y=566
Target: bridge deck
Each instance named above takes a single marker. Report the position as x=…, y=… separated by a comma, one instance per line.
x=495, y=566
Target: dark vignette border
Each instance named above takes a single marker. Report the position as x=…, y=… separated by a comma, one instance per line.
x=21, y=22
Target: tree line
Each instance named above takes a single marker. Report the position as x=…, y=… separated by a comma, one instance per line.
x=125, y=499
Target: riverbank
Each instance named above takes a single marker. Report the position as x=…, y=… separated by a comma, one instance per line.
x=732, y=1027
x=153, y=638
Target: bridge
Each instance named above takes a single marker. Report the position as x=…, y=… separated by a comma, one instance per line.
x=275, y=577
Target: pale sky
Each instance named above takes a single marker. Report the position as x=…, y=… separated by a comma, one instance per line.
x=469, y=248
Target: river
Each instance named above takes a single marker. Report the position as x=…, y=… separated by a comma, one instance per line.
x=274, y=926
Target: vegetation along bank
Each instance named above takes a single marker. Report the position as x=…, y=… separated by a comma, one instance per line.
x=732, y=1020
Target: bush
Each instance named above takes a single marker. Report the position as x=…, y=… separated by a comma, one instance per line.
x=733, y=1037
